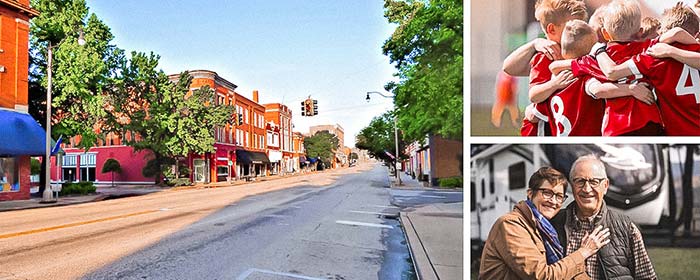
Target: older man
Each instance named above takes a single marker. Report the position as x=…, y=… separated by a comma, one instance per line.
x=625, y=257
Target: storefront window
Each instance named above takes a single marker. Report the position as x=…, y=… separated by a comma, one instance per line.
x=9, y=175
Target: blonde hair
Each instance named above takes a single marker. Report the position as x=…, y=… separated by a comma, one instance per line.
x=650, y=28
x=558, y=11
x=577, y=39
x=623, y=19
x=596, y=21
x=680, y=16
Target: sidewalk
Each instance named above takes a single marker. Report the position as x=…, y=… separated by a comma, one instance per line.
x=435, y=235
x=101, y=194
x=106, y=192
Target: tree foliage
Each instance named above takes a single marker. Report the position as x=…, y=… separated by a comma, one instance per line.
x=322, y=144
x=378, y=138
x=170, y=120
x=427, y=50
x=79, y=72
x=112, y=165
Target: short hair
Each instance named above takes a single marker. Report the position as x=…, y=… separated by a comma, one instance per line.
x=622, y=19
x=551, y=175
x=596, y=21
x=650, y=28
x=577, y=39
x=589, y=157
x=558, y=11
x=681, y=16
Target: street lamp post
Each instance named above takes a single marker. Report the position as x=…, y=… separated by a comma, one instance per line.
x=396, y=137
x=47, y=195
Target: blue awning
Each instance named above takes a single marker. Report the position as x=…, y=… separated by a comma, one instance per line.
x=20, y=134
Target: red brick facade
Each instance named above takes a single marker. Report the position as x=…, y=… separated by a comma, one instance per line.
x=14, y=72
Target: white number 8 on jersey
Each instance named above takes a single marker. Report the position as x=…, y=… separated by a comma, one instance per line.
x=560, y=121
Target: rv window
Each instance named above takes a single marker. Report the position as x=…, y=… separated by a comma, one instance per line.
x=483, y=188
x=472, y=207
x=516, y=176
x=492, y=182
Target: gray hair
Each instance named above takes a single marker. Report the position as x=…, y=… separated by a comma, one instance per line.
x=588, y=157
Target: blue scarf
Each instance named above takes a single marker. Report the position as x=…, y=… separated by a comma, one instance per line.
x=551, y=241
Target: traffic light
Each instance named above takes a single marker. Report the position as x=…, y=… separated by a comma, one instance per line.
x=240, y=119
x=309, y=108
x=303, y=109
x=315, y=107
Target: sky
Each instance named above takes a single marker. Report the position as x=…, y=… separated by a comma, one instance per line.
x=287, y=50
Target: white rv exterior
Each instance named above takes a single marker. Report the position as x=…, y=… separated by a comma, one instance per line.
x=499, y=175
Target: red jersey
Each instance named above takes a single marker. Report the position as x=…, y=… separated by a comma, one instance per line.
x=677, y=87
x=572, y=112
x=623, y=114
x=540, y=128
x=539, y=73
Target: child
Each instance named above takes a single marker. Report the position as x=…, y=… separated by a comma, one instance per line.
x=506, y=99
x=552, y=15
x=624, y=115
x=677, y=85
x=650, y=29
x=571, y=112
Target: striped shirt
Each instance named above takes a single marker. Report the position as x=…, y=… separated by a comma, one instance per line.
x=643, y=268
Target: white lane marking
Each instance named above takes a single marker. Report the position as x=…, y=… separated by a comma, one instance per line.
x=352, y=223
x=248, y=272
x=432, y=196
x=295, y=207
x=165, y=209
x=275, y=216
x=382, y=206
x=368, y=212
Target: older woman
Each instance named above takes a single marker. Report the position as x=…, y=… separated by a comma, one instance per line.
x=524, y=245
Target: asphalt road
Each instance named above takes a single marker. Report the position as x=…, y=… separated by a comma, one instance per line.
x=328, y=226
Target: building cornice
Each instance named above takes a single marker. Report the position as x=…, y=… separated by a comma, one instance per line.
x=20, y=8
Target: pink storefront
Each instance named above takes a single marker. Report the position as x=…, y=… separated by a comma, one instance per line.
x=76, y=165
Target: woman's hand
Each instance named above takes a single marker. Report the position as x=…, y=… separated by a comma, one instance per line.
x=591, y=243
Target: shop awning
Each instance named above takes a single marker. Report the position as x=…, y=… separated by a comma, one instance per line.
x=248, y=157
x=21, y=135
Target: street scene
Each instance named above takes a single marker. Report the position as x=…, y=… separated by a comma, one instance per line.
x=341, y=224
x=231, y=139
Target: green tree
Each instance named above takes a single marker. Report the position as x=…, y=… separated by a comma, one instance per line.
x=170, y=120
x=378, y=137
x=427, y=50
x=112, y=165
x=322, y=144
x=79, y=72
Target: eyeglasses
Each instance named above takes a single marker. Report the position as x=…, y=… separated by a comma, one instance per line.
x=548, y=194
x=594, y=182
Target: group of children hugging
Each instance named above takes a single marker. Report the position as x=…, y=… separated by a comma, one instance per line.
x=617, y=74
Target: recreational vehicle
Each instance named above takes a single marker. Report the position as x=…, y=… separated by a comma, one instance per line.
x=639, y=181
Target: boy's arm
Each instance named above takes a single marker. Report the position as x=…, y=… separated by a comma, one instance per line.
x=661, y=50
x=612, y=70
x=518, y=62
x=560, y=65
x=677, y=35
x=541, y=92
x=640, y=91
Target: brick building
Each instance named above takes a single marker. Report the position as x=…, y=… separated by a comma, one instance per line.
x=23, y=137
x=341, y=158
x=438, y=158
x=219, y=165
x=281, y=116
x=251, y=155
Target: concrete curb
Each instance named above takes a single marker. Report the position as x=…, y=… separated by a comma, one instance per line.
x=421, y=261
